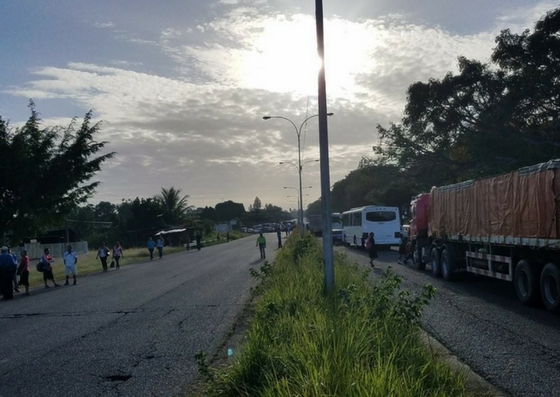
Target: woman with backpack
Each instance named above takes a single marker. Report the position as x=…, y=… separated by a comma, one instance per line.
x=370, y=246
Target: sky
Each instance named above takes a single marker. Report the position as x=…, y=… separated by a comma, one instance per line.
x=181, y=86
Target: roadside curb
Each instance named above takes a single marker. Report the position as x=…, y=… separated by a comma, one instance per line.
x=475, y=382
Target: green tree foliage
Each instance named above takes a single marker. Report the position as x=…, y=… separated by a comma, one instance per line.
x=174, y=206
x=46, y=172
x=488, y=119
x=229, y=210
x=209, y=213
x=314, y=208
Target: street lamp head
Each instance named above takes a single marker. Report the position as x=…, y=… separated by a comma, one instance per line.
x=330, y=114
x=266, y=117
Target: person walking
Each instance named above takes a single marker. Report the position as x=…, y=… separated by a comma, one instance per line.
x=261, y=243
x=159, y=245
x=198, y=240
x=279, y=235
x=151, y=246
x=103, y=254
x=70, y=259
x=370, y=247
x=188, y=242
x=47, y=261
x=117, y=254
x=23, y=271
x=227, y=237
x=7, y=271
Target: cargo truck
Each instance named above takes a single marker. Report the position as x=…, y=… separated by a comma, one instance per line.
x=505, y=227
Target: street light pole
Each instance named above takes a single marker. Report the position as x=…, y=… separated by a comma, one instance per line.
x=300, y=166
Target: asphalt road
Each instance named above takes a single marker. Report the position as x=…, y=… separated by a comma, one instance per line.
x=131, y=332
x=515, y=348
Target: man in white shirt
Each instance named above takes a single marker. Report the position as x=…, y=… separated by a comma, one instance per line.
x=70, y=259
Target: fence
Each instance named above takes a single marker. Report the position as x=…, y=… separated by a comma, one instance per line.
x=36, y=250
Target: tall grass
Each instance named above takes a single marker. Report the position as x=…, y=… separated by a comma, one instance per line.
x=362, y=340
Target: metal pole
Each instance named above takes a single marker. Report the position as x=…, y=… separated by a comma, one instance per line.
x=302, y=232
x=328, y=257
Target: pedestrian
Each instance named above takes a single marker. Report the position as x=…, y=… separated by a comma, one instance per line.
x=261, y=243
x=370, y=246
x=70, y=259
x=23, y=271
x=7, y=271
x=198, y=240
x=117, y=254
x=279, y=235
x=227, y=237
x=103, y=253
x=188, y=242
x=159, y=245
x=403, y=249
x=46, y=261
x=14, y=277
x=151, y=246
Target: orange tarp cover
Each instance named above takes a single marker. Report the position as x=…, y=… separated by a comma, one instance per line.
x=518, y=204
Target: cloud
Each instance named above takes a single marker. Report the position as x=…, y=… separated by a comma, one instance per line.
x=201, y=129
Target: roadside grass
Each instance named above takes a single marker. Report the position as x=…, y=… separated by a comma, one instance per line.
x=361, y=340
x=87, y=264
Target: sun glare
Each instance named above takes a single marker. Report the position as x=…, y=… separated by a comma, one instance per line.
x=285, y=59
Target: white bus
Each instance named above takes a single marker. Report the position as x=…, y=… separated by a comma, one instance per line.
x=385, y=222
x=336, y=220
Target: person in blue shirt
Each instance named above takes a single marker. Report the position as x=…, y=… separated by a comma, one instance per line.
x=14, y=277
x=151, y=246
x=7, y=271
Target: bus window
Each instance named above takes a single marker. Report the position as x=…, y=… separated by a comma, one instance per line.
x=357, y=219
x=381, y=216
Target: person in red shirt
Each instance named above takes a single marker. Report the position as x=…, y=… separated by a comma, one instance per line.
x=23, y=271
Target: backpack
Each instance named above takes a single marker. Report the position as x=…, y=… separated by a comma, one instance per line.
x=369, y=245
x=40, y=267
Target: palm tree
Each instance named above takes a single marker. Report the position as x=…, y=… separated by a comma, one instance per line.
x=174, y=206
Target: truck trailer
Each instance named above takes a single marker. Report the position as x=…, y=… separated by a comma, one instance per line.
x=505, y=227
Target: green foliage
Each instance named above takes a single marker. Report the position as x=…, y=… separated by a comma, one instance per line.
x=361, y=340
x=174, y=206
x=488, y=119
x=46, y=172
x=229, y=210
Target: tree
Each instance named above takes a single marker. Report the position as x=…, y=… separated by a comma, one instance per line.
x=174, y=206
x=209, y=213
x=46, y=172
x=229, y=210
x=487, y=119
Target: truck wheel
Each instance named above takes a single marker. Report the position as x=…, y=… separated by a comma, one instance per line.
x=435, y=262
x=550, y=287
x=526, y=283
x=448, y=268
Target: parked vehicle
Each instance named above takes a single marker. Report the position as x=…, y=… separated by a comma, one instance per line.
x=385, y=222
x=315, y=223
x=338, y=235
x=505, y=227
